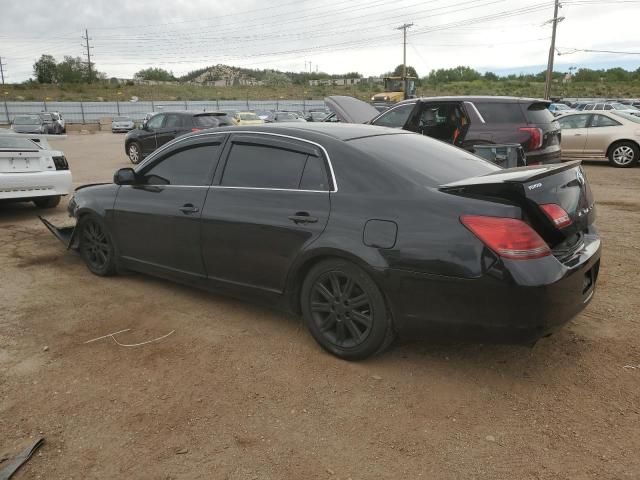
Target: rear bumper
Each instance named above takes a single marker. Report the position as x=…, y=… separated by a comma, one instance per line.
x=514, y=302
x=15, y=186
x=544, y=156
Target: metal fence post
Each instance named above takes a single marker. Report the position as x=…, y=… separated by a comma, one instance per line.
x=153, y=107
x=186, y=106
x=6, y=111
x=304, y=105
x=82, y=111
x=118, y=106
x=45, y=104
x=217, y=104
x=277, y=105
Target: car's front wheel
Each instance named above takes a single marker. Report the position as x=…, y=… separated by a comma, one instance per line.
x=96, y=247
x=624, y=154
x=134, y=152
x=47, y=202
x=345, y=310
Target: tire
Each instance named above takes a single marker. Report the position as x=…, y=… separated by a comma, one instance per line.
x=134, y=152
x=47, y=202
x=624, y=154
x=345, y=311
x=96, y=246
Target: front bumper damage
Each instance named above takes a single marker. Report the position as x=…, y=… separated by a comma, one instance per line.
x=67, y=235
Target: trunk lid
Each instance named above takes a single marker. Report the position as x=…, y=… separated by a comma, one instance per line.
x=530, y=187
x=350, y=109
x=22, y=162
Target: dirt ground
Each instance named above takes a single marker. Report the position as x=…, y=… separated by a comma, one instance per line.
x=242, y=392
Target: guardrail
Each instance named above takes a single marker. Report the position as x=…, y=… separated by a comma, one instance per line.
x=92, y=112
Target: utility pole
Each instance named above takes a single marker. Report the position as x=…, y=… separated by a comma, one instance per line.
x=1, y=70
x=404, y=54
x=552, y=50
x=86, y=38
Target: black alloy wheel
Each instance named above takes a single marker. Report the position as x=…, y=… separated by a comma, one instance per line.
x=345, y=311
x=96, y=247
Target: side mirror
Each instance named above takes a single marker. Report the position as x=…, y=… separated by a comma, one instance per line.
x=124, y=176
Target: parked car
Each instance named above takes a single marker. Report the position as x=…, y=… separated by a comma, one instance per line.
x=29, y=172
x=468, y=121
x=558, y=108
x=607, y=106
x=165, y=126
x=264, y=114
x=31, y=123
x=122, y=124
x=338, y=223
x=611, y=134
x=247, y=118
x=58, y=123
x=280, y=117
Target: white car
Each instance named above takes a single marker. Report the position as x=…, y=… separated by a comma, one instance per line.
x=31, y=172
x=122, y=124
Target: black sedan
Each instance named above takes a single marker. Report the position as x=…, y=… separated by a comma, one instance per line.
x=366, y=231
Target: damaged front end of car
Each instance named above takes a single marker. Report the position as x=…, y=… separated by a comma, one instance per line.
x=67, y=235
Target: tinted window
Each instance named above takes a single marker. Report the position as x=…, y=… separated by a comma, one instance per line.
x=493, y=112
x=422, y=159
x=207, y=121
x=173, y=120
x=588, y=106
x=395, y=117
x=538, y=113
x=599, y=106
x=602, y=121
x=574, y=121
x=314, y=176
x=155, y=121
x=121, y=119
x=262, y=166
x=191, y=166
x=27, y=120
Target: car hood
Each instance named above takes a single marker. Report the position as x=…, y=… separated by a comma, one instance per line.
x=350, y=109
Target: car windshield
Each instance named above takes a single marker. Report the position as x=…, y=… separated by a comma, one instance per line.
x=121, y=119
x=424, y=160
x=9, y=142
x=248, y=116
x=628, y=116
x=27, y=120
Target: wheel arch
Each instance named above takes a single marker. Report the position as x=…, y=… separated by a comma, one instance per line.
x=621, y=140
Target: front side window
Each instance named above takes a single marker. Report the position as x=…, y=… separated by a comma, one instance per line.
x=602, y=121
x=192, y=166
x=155, y=122
x=395, y=117
x=574, y=121
x=263, y=166
x=173, y=121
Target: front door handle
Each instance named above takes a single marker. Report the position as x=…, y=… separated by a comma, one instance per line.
x=302, y=217
x=577, y=134
x=189, y=208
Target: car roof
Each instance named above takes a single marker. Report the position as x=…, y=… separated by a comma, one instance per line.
x=477, y=98
x=316, y=130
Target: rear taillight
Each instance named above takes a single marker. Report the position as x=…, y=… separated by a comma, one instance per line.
x=556, y=214
x=61, y=163
x=535, y=137
x=196, y=129
x=508, y=237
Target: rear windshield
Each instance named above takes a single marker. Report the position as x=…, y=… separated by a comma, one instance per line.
x=208, y=121
x=9, y=142
x=538, y=113
x=494, y=112
x=424, y=159
x=121, y=119
x=27, y=120
x=627, y=116
x=248, y=116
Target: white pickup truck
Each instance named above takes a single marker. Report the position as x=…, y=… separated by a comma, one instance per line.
x=31, y=171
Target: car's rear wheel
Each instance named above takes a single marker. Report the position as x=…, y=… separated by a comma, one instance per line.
x=96, y=246
x=47, y=202
x=624, y=154
x=345, y=310
x=134, y=152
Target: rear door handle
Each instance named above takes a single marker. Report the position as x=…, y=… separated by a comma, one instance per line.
x=189, y=208
x=302, y=217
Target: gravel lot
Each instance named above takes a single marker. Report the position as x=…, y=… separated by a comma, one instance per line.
x=242, y=392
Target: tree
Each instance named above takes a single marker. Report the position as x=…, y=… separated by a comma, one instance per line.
x=157, y=74
x=45, y=69
x=490, y=76
x=411, y=72
x=73, y=70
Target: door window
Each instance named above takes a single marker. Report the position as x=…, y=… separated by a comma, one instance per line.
x=173, y=121
x=155, y=122
x=314, y=176
x=603, y=121
x=192, y=166
x=263, y=166
x=574, y=121
x=588, y=106
x=395, y=117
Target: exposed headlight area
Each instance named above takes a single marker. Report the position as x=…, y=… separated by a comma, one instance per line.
x=60, y=161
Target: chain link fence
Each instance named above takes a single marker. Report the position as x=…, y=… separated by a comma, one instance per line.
x=92, y=112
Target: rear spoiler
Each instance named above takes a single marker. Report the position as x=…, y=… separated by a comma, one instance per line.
x=518, y=175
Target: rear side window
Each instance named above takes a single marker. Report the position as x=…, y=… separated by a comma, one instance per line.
x=314, y=176
x=574, y=121
x=538, y=113
x=206, y=121
x=494, y=112
x=603, y=121
x=192, y=166
x=263, y=166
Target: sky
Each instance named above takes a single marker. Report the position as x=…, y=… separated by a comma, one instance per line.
x=333, y=36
